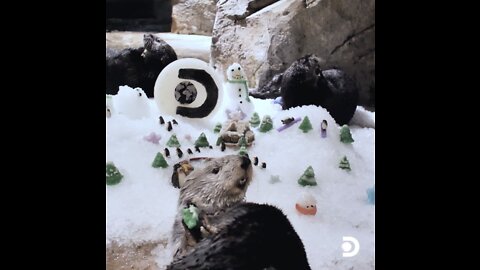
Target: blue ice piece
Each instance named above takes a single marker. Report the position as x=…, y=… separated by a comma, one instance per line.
x=278, y=100
x=371, y=195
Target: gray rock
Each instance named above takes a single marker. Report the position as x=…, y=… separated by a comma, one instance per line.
x=193, y=16
x=265, y=37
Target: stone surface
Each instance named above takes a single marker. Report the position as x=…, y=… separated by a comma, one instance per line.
x=133, y=255
x=193, y=16
x=185, y=46
x=265, y=39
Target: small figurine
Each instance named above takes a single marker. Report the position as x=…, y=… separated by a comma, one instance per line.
x=159, y=161
x=305, y=126
x=179, y=153
x=153, y=138
x=243, y=151
x=308, y=178
x=345, y=135
x=113, y=174
x=190, y=216
x=173, y=141
x=217, y=128
x=169, y=127
x=167, y=152
x=255, y=120
x=264, y=165
x=267, y=124
x=288, y=123
x=237, y=91
x=197, y=149
x=344, y=164
x=211, y=147
x=323, y=128
x=174, y=122
x=371, y=195
x=307, y=205
x=160, y=119
x=223, y=146
x=202, y=141
x=180, y=171
x=189, y=151
x=255, y=161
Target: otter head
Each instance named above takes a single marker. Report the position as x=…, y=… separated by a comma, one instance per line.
x=152, y=45
x=219, y=184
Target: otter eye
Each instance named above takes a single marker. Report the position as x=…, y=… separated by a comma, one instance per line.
x=215, y=170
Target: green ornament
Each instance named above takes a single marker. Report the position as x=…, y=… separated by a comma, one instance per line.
x=242, y=141
x=255, y=120
x=202, y=141
x=267, y=124
x=113, y=174
x=219, y=141
x=217, y=128
x=308, y=178
x=344, y=164
x=243, y=151
x=173, y=141
x=190, y=216
x=345, y=135
x=159, y=161
x=305, y=126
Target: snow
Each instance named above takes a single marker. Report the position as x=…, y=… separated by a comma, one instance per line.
x=142, y=207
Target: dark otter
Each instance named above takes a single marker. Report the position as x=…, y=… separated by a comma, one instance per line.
x=138, y=67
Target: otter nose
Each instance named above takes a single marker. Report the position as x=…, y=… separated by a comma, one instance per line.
x=245, y=162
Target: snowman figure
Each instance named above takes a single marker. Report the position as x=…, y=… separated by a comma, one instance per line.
x=132, y=102
x=239, y=106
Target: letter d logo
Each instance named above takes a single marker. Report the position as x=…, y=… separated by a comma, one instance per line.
x=350, y=246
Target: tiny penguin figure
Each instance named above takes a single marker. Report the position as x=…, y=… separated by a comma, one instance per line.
x=288, y=120
x=179, y=153
x=255, y=161
x=189, y=151
x=223, y=146
x=160, y=119
x=264, y=165
x=167, y=152
x=240, y=105
x=197, y=149
x=174, y=122
x=169, y=127
x=323, y=128
x=211, y=147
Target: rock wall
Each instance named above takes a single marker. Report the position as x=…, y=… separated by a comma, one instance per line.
x=266, y=36
x=193, y=16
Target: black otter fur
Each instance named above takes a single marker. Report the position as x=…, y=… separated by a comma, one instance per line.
x=138, y=67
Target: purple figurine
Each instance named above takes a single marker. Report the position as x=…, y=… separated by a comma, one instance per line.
x=323, y=128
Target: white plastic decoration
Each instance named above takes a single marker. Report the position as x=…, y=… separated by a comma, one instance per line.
x=188, y=87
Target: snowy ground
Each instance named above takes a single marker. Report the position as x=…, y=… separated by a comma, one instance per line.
x=142, y=207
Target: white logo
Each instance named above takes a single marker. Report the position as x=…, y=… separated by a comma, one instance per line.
x=350, y=246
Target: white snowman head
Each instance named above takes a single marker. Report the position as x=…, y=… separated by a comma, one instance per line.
x=235, y=72
x=132, y=103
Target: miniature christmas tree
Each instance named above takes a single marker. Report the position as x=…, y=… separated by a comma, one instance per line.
x=113, y=174
x=202, y=141
x=217, y=128
x=344, y=164
x=173, y=141
x=305, y=126
x=242, y=142
x=371, y=195
x=345, y=135
x=159, y=161
x=255, y=120
x=308, y=178
x=243, y=151
x=266, y=124
x=190, y=216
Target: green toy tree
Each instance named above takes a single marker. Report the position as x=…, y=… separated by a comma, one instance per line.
x=217, y=128
x=243, y=151
x=202, y=141
x=255, y=120
x=113, y=174
x=159, y=161
x=219, y=141
x=173, y=141
x=344, y=164
x=345, y=135
x=305, y=126
x=308, y=178
x=267, y=124
x=242, y=141
x=190, y=216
